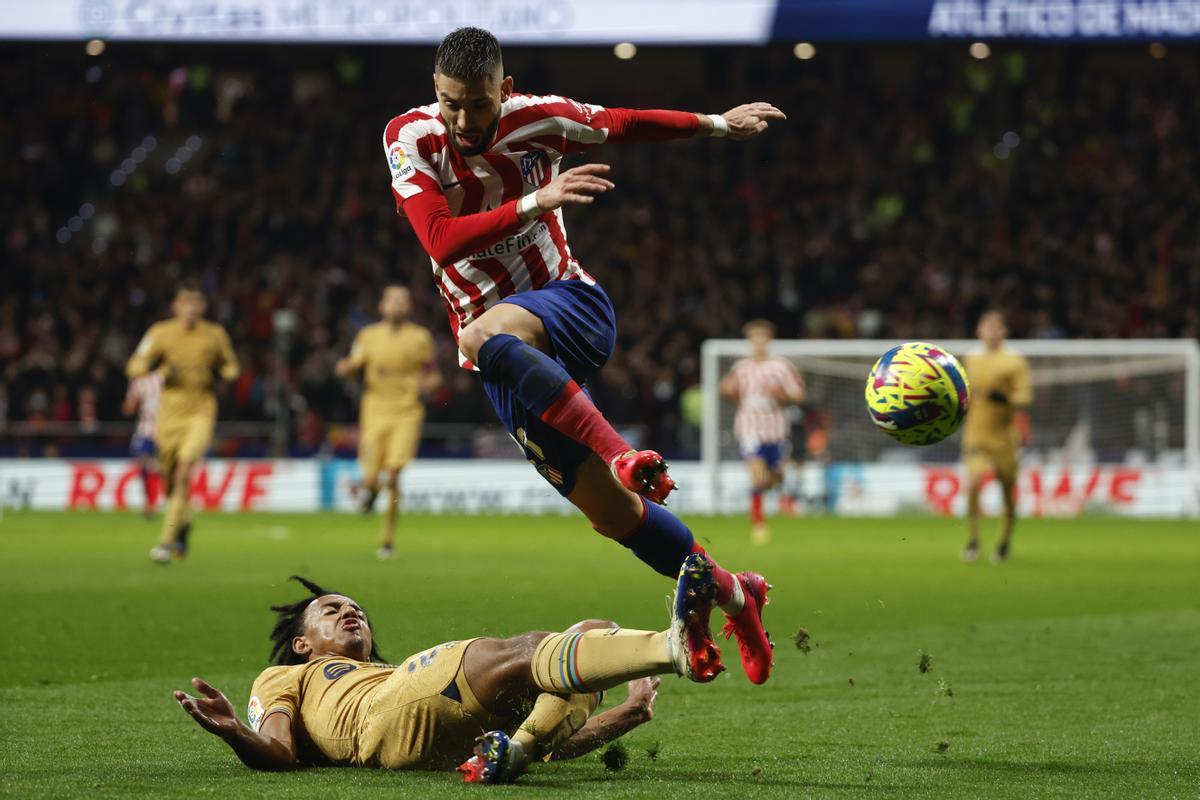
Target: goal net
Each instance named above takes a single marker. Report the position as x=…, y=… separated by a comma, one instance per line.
x=1116, y=429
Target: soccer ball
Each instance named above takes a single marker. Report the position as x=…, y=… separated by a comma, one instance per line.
x=917, y=393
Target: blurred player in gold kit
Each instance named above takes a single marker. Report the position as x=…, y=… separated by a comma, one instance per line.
x=193, y=354
x=996, y=427
x=397, y=361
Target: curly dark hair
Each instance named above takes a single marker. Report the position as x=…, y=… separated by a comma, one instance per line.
x=289, y=623
x=468, y=54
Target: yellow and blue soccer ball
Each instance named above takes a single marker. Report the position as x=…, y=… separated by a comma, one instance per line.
x=917, y=393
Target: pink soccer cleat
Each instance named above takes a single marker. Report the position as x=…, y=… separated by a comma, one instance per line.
x=754, y=643
x=644, y=472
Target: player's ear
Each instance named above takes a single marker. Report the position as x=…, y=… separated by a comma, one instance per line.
x=300, y=646
x=506, y=88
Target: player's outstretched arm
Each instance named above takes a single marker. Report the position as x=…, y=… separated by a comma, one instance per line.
x=638, y=709
x=269, y=748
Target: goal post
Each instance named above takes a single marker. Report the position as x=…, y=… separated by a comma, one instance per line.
x=1116, y=429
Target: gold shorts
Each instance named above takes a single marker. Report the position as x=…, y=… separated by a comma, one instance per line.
x=424, y=716
x=389, y=443
x=183, y=438
x=996, y=457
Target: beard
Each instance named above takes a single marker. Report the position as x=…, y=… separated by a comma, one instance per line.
x=485, y=141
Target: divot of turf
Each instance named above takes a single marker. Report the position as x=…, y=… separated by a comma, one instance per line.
x=803, y=641
x=615, y=757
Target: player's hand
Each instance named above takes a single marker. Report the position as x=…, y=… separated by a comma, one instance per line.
x=213, y=711
x=577, y=185
x=751, y=119
x=640, y=700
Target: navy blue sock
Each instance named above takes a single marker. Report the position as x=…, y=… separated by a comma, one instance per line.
x=662, y=540
x=534, y=377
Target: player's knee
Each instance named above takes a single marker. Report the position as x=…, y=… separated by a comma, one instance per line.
x=593, y=625
x=475, y=336
x=183, y=473
x=518, y=651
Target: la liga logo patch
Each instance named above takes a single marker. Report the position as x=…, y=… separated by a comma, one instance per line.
x=398, y=161
x=254, y=713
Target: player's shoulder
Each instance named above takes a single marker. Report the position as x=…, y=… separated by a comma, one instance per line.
x=213, y=328
x=417, y=330
x=549, y=105
x=414, y=123
x=278, y=673
x=1014, y=356
x=162, y=326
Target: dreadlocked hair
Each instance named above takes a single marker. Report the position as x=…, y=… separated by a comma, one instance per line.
x=289, y=623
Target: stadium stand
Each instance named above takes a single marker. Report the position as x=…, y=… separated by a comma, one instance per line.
x=1055, y=184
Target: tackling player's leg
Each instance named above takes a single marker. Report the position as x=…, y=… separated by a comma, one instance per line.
x=577, y=663
x=662, y=541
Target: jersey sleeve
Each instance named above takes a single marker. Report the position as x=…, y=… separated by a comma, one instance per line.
x=412, y=172
x=1022, y=387
x=147, y=355
x=583, y=125
x=427, y=348
x=276, y=689
x=358, y=350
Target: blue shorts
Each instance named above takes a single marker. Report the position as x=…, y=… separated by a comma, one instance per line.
x=772, y=453
x=582, y=329
x=142, y=446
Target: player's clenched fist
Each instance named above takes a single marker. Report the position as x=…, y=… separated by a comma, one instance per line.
x=750, y=119
x=575, y=185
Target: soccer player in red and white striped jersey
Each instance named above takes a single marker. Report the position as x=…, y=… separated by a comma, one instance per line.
x=763, y=386
x=479, y=176
x=142, y=397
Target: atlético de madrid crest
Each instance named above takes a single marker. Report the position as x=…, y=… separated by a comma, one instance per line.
x=534, y=167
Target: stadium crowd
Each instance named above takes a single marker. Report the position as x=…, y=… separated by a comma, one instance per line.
x=909, y=190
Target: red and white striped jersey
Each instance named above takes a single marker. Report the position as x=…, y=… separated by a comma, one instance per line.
x=761, y=418
x=533, y=135
x=146, y=391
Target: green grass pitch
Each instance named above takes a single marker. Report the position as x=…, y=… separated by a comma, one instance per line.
x=1069, y=672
